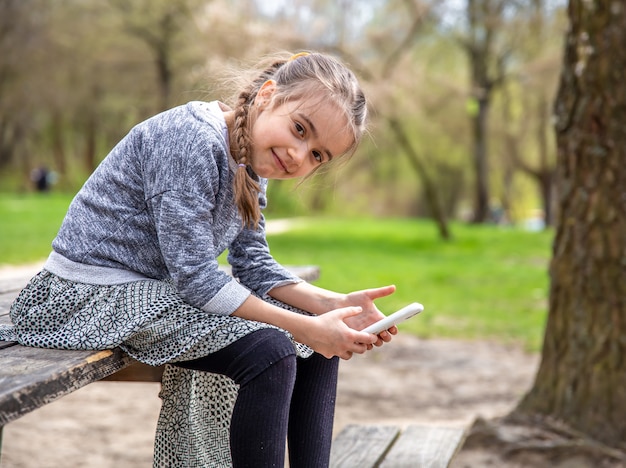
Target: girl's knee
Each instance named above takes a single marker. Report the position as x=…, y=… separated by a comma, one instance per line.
x=265, y=349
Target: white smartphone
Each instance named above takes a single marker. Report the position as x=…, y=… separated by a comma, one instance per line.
x=395, y=318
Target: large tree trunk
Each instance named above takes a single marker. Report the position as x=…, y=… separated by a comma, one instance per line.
x=582, y=376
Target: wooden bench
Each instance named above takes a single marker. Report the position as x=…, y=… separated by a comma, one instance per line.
x=417, y=446
x=32, y=377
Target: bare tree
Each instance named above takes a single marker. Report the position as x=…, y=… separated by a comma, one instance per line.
x=158, y=24
x=485, y=21
x=21, y=36
x=528, y=140
x=391, y=103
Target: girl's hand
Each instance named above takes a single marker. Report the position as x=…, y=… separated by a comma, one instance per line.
x=365, y=299
x=329, y=335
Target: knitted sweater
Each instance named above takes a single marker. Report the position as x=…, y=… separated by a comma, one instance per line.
x=161, y=205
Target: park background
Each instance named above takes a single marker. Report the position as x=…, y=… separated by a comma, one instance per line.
x=451, y=196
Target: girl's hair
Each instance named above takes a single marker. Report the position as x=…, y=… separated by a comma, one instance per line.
x=297, y=77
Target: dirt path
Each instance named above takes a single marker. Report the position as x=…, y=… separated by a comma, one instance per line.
x=111, y=424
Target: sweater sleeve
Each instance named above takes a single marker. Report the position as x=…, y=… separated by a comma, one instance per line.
x=251, y=260
x=253, y=265
x=183, y=223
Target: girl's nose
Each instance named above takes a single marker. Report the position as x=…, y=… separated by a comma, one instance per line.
x=298, y=154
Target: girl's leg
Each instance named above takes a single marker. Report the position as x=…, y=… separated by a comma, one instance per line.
x=312, y=412
x=263, y=364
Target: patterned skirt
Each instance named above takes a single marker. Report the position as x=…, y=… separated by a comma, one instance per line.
x=146, y=318
x=150, y=322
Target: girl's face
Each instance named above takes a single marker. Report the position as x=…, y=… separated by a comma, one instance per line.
x=292, y=139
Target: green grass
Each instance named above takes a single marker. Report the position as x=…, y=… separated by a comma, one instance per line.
x=28, y=223
x=487, y=283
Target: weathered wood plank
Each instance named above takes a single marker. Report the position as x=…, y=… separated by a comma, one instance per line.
x=137, y=372
x=424, y=447
x=33, y=377
x=361, y=446
x=13, y=284
x=6, y=299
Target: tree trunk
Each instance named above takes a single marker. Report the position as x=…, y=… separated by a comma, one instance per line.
x=432, y=196
x=582, y=376
x=479, y=159
x=58, y=144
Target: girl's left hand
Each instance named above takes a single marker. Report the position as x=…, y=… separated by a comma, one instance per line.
x=365, y=300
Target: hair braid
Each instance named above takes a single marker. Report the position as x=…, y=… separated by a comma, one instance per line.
x=246, y=187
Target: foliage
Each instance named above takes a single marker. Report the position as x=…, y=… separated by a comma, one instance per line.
x=76, y=76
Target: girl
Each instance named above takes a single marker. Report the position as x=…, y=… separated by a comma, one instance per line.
x=135, y=265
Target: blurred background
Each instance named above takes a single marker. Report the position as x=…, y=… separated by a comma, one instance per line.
x=461, y=94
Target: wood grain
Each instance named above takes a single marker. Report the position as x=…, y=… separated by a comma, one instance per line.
x=362, y=446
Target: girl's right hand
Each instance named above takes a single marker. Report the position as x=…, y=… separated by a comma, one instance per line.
x=328, y=334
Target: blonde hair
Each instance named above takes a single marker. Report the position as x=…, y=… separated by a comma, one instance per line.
x=298, y=77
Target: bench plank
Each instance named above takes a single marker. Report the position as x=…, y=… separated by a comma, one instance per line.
x=6, y=299
x=33, y=377
x=425, y=447
x=362, y=446
x=13, y=284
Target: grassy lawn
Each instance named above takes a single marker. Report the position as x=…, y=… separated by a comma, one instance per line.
x=28, y=223
x=488, y=283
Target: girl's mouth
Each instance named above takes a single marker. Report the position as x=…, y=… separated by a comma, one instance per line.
x=279, y=162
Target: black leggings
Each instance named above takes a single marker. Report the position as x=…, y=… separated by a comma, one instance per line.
x=281, y=397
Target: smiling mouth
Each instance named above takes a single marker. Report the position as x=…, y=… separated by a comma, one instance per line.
x=280, y=162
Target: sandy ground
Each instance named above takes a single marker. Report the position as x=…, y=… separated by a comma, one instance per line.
x=409, y=381
x=445, y=382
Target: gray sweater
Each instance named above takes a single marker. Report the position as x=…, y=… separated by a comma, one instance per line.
x=161, y=206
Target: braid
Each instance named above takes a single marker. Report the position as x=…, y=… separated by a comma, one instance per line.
x=246, y=187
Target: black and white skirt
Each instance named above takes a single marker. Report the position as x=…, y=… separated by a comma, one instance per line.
x=146, y=318
x=150, y=322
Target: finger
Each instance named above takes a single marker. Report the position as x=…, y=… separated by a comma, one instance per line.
x=360, y=348
x=364, y=338
x=385, y=336
x=377, y=293
x=349, y=311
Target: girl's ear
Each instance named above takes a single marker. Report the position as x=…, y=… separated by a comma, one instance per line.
x=264, y=96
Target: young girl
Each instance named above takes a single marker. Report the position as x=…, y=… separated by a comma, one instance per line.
x=135, y=265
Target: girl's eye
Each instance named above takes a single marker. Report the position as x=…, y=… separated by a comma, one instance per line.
x=299, y=129
x=318, y=156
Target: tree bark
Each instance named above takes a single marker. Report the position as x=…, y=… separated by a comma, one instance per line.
x=582, y=375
